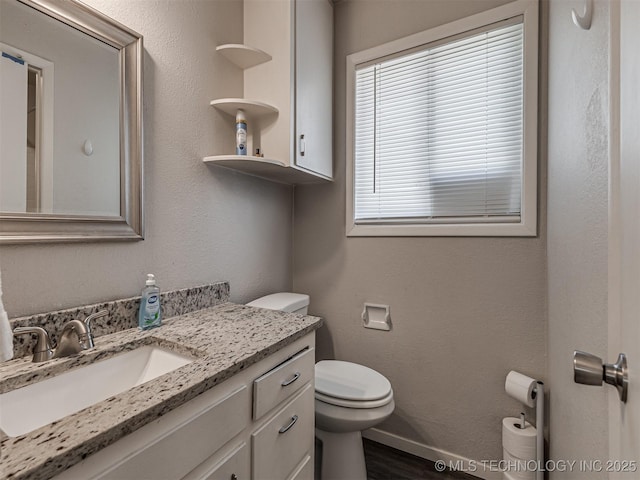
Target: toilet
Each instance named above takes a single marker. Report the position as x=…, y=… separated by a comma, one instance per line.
x=349, y=398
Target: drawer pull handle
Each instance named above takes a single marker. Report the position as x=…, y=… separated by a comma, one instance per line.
x=234, y=476
x=286, y=383
x=286, y=428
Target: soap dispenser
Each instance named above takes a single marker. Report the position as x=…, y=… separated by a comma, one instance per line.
x=150, y=315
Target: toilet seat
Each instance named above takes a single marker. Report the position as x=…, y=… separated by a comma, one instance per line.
x=351, y=385
x=339, y=402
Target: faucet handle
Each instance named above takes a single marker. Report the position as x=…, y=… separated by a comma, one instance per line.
x=87, y=322
x=93, y=316
x=43, y=350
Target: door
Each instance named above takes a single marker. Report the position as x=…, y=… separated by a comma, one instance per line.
x=13, y=135
x=624, y=234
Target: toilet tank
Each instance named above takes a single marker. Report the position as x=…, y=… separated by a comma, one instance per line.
x=284, y=301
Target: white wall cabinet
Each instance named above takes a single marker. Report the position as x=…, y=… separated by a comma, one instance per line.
x=292, y=74
x=257, y=424
x=314, y=81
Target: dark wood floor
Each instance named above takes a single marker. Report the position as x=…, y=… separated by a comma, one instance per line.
x=386, y=463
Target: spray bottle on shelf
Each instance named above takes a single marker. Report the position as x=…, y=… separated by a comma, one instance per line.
x=150, y=315
x=241, y=133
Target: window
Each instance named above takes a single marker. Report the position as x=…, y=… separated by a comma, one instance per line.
x=443, y=130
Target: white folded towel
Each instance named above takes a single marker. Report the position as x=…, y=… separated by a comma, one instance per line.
x=6, y=335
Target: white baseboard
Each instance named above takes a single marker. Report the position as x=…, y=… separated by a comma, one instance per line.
x=421, y=450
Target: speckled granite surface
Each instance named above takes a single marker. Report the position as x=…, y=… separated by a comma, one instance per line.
x=123, y=314
x=223, y=339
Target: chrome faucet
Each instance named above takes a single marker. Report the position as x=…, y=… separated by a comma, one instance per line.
x=43, y=350
x=69, y=344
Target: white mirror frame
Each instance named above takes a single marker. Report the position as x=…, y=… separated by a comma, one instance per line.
x=32, y=228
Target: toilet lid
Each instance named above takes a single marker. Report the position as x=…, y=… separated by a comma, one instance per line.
x=350, y=381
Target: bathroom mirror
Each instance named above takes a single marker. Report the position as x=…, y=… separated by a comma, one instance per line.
x=70, y=124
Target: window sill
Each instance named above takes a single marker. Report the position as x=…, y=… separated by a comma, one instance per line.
x=435, y=230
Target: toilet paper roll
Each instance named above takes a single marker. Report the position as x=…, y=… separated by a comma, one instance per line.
x=521, y=388
x=516, y=469
x=519, y=442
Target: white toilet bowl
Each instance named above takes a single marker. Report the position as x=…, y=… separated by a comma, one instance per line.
x=349, y=398
x=336, y=419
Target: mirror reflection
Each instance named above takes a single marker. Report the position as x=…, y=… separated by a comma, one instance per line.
x=59, y=117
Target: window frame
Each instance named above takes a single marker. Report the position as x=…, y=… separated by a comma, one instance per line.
x=492, y=227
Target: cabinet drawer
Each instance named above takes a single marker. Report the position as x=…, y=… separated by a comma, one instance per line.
x=304, y=471
x=278, y=384
x=173, y=454
x=235, y=464
x=281, y=444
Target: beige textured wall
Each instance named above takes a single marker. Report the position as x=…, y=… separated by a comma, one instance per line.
x=577, y=229
x=465, y=311
x=202, y=224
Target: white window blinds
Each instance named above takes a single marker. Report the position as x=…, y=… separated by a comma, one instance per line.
x=439, y=132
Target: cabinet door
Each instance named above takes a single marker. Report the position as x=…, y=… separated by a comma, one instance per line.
x=234, y=466
x=173, y=445
x=282, y=443
x=314, y=86
x=304, y=470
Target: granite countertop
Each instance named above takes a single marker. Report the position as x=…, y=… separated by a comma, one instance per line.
x=223, y=340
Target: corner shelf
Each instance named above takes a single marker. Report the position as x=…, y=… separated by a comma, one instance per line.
x=228, y=160
x=252, y=108
x=243, y=56
x=267, y=168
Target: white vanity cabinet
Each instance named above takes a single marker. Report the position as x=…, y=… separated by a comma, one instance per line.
x=276, y=447
x=288, y=91
x=257, y=424
x=277, y=450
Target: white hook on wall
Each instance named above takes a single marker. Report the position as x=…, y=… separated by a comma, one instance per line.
x=88, y=148
x=583, y=21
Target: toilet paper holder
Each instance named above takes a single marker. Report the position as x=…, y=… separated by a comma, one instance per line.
x=531, y=390
x=589, y=370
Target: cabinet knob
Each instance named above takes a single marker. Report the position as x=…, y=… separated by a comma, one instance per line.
x=234, y=476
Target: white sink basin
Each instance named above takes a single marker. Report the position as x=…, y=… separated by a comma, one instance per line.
x=28, y=408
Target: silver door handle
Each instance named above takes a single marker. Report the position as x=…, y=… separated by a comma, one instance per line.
x=303, y=145
x=589, y=370
x=286, y=428
x=286, y=383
